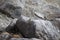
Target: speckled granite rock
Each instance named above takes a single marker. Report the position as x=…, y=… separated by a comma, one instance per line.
x=32, y=28
x=24, y=39
x=11, y=8
x=41, y=12
x=4, y=21
x=5, y=36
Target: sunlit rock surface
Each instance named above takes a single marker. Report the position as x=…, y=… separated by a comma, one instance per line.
x=42, y=11
x=41, y=7
x=5, y=36
x=44, y=29
x=4, y=21
x=24, y=39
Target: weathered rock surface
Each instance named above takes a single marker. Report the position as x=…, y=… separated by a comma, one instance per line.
x=23, y=26
x=5, y=36
x=4, y=21
x=24, y=39
x=8, y=36
x=11, y=8
x=8, y=11
x=46, y=10
x=32, y=28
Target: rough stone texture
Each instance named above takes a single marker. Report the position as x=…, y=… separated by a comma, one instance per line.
x=41, y=7
x=11, y=8
x=28, y=26
x=46, y=10
x=5, y=36
x=32, y=28
x=8, y=36
x=23, y=26
x=4, y=21
x=24, y=39
x=31, y=7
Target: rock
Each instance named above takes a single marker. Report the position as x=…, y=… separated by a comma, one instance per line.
x=17, y=36
x=41, y=29
x=5, y=36
x=53, y=12
x=11, y=10
x=28, y=32
x=44, y=29
x=26, y=27
x=8, y=36
x=30, y=7
x=12, y=27
x=54, y=2
x=24, y=39
x=2, y=2
x=4, y=21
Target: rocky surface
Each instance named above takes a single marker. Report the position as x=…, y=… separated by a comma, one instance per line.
x=32, y=28
x=24, y=39
x=4, y=21
x=39, y=16
x=5, y=36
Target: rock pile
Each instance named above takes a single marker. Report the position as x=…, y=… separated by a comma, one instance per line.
x=29, y=20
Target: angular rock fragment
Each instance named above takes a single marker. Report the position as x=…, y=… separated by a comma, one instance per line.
x=16, y=35
x=11, y=11
x=23, y=26
x=24, y=39
x=27, y=28
x=8, y=8
x=5, y=36
x=31, y=28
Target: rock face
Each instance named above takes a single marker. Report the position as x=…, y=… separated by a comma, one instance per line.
x=11, y=8
x=24, y=39
x=31, y=28
x=23, y=26
x=4, y=21
x=8, y=11
x=5, y=36
x=28, y=26
x=41, y=18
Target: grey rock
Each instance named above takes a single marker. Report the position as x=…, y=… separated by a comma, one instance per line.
x=24, y=39
x=23, y=26
x=32, y=28
x=28, y=26
x=5, y=36
x=10, y=9
x=4, y=21
x=45, y=29
x=53, y=12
